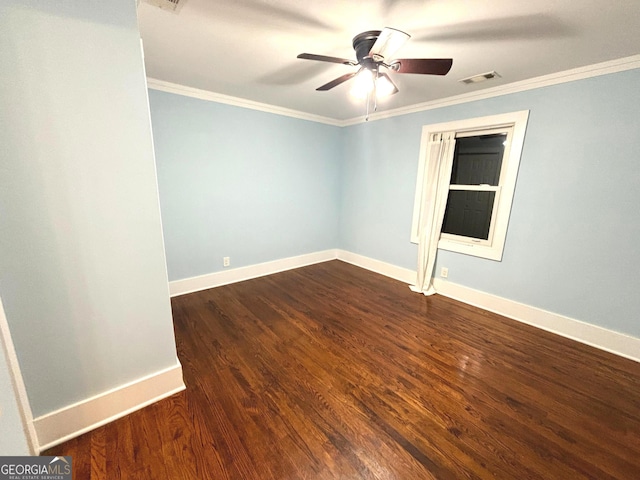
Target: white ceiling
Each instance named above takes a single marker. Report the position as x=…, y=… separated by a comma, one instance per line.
x=248, y=48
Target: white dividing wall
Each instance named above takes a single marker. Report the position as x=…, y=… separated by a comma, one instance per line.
x=82, y=269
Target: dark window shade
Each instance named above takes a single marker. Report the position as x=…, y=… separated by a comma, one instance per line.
x=478, y=160
x=468, y=213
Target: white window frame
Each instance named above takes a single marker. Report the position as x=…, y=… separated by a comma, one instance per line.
x=493, y=247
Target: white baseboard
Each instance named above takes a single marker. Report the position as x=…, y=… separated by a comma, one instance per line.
x=593, y=335
x=225, y=277
x=378, y=266
x=587, y=333
x=74, y=420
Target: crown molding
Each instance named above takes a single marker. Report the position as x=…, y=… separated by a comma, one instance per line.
x=595, y=70
x=178, y=89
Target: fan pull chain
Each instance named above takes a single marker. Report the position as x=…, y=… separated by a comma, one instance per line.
x=372, y=97
x=375, y=91
x=366, y=118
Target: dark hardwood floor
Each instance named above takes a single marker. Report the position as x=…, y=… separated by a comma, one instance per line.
x=331, y=371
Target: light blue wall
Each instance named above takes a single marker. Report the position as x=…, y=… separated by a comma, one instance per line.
x=258, y=187
x=571, y=246
x=82, y=270
x=240, y=183
x=378, y=182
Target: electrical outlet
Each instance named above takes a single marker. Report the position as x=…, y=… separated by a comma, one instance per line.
x=226, y=261
x=444, y=272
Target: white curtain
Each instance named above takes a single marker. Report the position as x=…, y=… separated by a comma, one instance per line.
x=437, y=176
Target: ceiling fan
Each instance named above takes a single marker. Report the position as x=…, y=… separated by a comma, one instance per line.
x=373, y=49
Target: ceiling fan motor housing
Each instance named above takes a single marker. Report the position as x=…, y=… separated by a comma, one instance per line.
x=363, y=42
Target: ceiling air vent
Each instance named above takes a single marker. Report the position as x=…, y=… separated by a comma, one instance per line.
x=171, y=5
x=480, y=78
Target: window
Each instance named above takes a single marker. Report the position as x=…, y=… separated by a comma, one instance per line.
x=484, y=167
x=474, y=189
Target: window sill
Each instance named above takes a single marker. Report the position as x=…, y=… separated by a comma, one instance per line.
x=484, y=251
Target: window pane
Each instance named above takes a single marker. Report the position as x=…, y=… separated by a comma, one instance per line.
x=477, y=160
x=468, y=213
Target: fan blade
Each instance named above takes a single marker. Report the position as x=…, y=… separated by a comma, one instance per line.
x=324, y=58
x=425, y=66
x=336, y=82
x=389, y=42
x=395, y=88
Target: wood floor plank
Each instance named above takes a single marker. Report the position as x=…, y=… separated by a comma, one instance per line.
x=98, y=455
x=332, y=372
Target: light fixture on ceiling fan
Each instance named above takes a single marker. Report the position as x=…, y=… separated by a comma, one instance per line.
x=372, y=48
x=367, y=82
